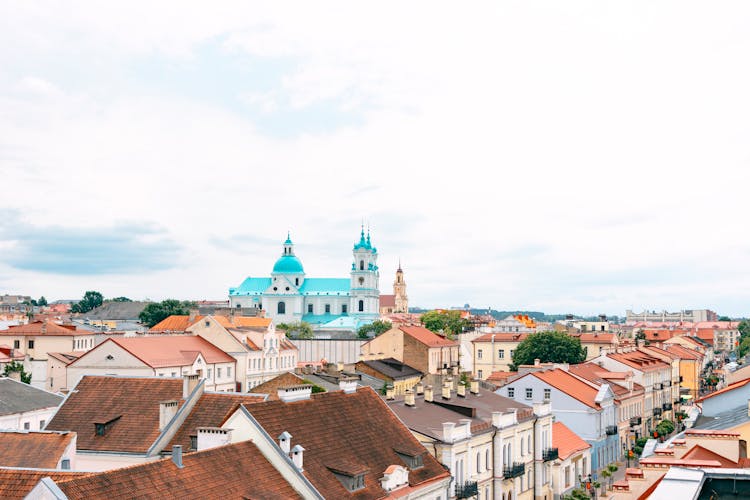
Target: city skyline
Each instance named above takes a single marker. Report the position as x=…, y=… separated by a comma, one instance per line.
x=565, y=159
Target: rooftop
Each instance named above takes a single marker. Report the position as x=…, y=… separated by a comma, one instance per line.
x=15, y=484
x=166, y=351
x=566, y=441
x=639, y=361
x=427, y=337
x=17, y=397
x=726, y=389
x=570, y=385
x=392, y=368
x=271, y=387
x=44, y=328
x=33, y=449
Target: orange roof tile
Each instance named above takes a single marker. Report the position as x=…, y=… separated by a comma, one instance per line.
x=501, y=376
x=597, y=338
x=728, y=388
x=655, y=460
x=15, y=484
x=639, y=360
x=711, y=432
x=387, y=301
x=165, y=351
x=65, y=357
x=271, y=387
x=683, y=352
x=42, y=450
x=502, y=337
x=243, y=321
x=570, y=385
x=426, y=337
x=43, y=328
x=175, y=323
x=698, y=452
x=566, y=441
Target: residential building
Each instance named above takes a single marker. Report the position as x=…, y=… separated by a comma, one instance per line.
x=573, y=460
x=271, y=387
x=691, y=363
x=57, y=369
x=671, y=405
x=162, y=356
x=597, y=343
x=326, y=303
x=38, y=449
x=494, y=352
x=415, y=346
x=120, y=316
x=692, y=315
x=695, y=344
x=24, y=407
x=392, y=372
x=398, y=303
x=587, y=409
x=494, y=447
x=336, y=349
x=35, y=340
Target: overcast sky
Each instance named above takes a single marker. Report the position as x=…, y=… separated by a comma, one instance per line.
x=579, y=157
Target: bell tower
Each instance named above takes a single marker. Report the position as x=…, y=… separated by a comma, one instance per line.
x=399, y=292
x=365, y=294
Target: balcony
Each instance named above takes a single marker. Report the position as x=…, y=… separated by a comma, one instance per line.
x=634, y=421
x=515, y=470
x=658, y=386
x=666, y=406
x=467, y=490
x=677, y=401
x=611, y=430
x=549, y=454
x=657, y=412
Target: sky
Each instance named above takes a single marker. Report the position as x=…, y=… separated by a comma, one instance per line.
x=566, y=157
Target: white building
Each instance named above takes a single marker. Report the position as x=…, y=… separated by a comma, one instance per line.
x=23, y=407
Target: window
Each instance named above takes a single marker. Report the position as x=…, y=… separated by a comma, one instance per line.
x=511, y=392
x=361, y=305
x=529, y=393
x=501, y=353
x=566, y=474
x=41, y=425
x=361, y=265
x=31, y=344
x=193, y=442
x=479, y=373
x=65, y=464
x=281, y=308
x=328, y=308
x=361, y=281
x=479, y=354
x=479, y=464
x=209, y=373
x=487, y=460
x=174, y=374
x=344, y=308
x=309, y=308
x=547, y=394
x=26, y=426
x=218, y=373
x=296, y=281
x=16, y=344
x=229, y=371
x=511, y=353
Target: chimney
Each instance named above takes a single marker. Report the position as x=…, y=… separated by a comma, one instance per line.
x=446, y=391
x=295, y=393
x=389, y=392
x=177, y=455
x=409, y=398
x=420, y=388
x=193, y=314
x=428, y=393
x=189, y=383
x=285, y=442
x=537, y=362
x=167, y=411
x=474, y=386
x=461, y=390
x=496, y=419
x=211, y=437
x=297, y=456
x=348, y=384
x=448, y=431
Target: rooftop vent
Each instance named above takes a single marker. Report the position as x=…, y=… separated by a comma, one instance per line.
x=211, y=437
x=285, y=441
x=295, y=393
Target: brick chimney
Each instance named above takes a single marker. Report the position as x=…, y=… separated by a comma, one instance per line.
x=211, y=437
x=189, y=383
x=428, y=393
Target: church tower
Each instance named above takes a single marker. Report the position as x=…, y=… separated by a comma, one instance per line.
x=365, y=294
x=399, y=292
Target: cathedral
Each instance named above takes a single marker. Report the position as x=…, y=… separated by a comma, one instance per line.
x=289, y=296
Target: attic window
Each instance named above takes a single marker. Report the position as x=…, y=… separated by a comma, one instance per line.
x=102, y=428
x=351, y=483
x=411, y=461
x=208, y=323
x=193, y=442
x=110, y=357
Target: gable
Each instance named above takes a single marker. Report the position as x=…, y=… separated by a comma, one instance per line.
x=108, y=355
x=282, y=286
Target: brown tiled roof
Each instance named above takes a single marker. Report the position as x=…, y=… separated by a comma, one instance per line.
x=566, y=441
x=502, y=337
x=639, y=361
x=165, y=351
x=211, y=410
x=501, y=376
x=176, y=323
x=40, y=450
x=387, y=301
x=234, y=471
x=65, y=357
x=135, y=400
x=41, y=328
x=596, y=374
x=683, y=352
x=698, y=452
x=570, y=385
x=426, y=337
x=357, y=428
x=597, y=338
x=271, y=387
x=15, y=484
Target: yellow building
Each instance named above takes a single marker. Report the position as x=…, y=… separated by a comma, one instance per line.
x=493, y=352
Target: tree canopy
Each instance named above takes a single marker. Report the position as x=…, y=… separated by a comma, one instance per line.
x=298, y=330
x=120, y=299
x=375, y=328
x=155, y=312
x=15, y=366
x=548, y=347
x=448, y=322
x=90, y=300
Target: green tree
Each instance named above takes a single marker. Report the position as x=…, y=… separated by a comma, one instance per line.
x=299, y=330
x=15, y=366
x=155, y=312
x=548, y=347
x=42, y=302
x=744, y=346
x=447, y=322
x=375, y=328
x=665, y=427
x=119, y=299
x=90, y=300
x=315, y=388
x=725, y=318
x=744, y=328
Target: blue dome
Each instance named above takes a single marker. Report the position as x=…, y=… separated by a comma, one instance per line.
x=288, y=264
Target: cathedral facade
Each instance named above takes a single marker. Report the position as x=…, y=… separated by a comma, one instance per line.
x=289, y=296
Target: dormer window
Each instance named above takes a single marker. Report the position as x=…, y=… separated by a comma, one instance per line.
x=193, y=442
x=101, y=428
x=412, y=460
x=350, y=475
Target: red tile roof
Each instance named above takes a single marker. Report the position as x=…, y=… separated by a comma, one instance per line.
x=387, y=301
x=41, y=450
x=180, y=323
x=426, y=337
x=710, y=432
x=243, y=321
x=728, y=388
x=176, y=323
x=271, y=387
x=566, y=441
x=234, y=471
x=65, y=357
x=42, y=328
x=502, y=337
x=15, y=484
x=501, y=376
x=698, y=452
x=211, y=410
x=597, y=338
x=570, y=385
x=165, y=351
x=130, y=404
x=640, y=361
x=358, y=429
x=683, y=352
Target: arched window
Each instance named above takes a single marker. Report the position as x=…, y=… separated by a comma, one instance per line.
x=479, y=465
x=281, y=308
x=361, y=306
x=296, y=281
x=361, y=265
